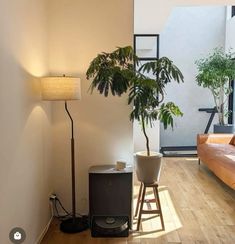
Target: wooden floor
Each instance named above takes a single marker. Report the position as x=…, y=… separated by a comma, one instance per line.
x=197, y=208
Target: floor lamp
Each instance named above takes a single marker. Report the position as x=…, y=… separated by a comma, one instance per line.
x=65, y=89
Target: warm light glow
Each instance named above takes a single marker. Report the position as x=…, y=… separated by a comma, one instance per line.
x=61, y=88
x=151, y=225
x=232, y=157
x=191, y=159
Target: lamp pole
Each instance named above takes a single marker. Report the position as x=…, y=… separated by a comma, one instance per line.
x=74, y=224
x=72, y=165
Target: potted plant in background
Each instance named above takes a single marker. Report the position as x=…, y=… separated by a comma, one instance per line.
x=115, y=73
x=216, y=73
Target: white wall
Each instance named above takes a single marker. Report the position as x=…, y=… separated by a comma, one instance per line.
x=139, y=139
x=25, y=125
x=79, y=30
x=230, y=33
x=190, y=34
x=151, y=15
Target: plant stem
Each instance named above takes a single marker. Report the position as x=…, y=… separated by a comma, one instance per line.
x=146, y=137
x=221, y=105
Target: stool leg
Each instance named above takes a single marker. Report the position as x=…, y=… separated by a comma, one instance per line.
x=160, y=209
x=199, y=161
x=155, y=195
x=141, y=208
x=138, y=201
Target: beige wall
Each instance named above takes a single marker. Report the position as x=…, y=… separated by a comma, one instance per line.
x=79, y=30
x=25, y=122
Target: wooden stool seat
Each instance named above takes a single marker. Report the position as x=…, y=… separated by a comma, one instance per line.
x=141, y=200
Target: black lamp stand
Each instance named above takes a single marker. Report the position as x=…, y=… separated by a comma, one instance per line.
x=73, y=224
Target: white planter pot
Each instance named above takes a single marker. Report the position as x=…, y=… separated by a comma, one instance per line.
x=148, y=167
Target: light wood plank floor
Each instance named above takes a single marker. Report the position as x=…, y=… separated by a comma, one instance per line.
x=197, y=208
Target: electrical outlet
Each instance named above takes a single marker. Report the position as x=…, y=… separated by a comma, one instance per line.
x=52, y=197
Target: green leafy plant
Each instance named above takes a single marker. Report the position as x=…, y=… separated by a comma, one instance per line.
x=215, y=72
x=115, y=72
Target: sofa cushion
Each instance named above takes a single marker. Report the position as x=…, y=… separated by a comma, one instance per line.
x=220, y=158
x=217, y=151
x=224, y=153
x=233, y=141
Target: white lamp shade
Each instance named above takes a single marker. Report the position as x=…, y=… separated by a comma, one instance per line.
x=60, y=88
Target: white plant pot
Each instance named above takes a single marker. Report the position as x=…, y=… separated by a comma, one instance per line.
x=148, y=167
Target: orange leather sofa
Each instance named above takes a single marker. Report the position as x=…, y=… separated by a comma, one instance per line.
x=217, y=151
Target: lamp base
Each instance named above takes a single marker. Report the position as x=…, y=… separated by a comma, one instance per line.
x=76, y=225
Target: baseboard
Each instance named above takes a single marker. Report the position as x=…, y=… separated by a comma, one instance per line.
x=38, y=241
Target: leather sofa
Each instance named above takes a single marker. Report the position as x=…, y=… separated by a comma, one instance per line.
x=217, y=151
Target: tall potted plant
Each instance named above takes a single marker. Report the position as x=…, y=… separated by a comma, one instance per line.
x=216, y=72
x=115, y=73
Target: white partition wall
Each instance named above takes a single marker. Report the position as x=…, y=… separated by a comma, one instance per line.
x=190, y=33
x=150, y=16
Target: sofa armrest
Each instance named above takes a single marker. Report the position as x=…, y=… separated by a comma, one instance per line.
x=215, y=138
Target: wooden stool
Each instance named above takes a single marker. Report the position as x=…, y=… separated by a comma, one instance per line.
x=141, y=200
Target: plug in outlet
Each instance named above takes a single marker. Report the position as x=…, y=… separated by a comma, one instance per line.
x=52, y=197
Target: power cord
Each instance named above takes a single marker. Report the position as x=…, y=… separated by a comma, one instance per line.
x=55, y=201
x=57, y=214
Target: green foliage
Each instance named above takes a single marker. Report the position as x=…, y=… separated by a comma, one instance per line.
x=166, y=113
x=114, y=72
x=215, y=72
